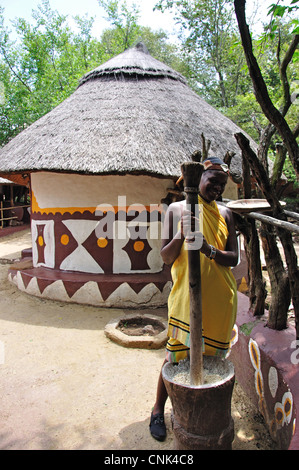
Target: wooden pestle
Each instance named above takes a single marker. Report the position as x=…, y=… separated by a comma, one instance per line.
x=192, y=172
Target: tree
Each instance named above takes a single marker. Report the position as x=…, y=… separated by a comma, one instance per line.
x=125, y=22
x=246, y=111
x=36, y=81
x=44, y=65
x=275, y=117
x=208, y=35
x=259, y=168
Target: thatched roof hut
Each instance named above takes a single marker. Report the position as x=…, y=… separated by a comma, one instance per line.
x=117, y=141
x=132, y=114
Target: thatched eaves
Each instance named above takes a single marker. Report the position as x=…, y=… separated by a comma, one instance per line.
x=132, y=114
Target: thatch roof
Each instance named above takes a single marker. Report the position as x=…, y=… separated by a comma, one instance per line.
x=133, y=61
x=132, y=114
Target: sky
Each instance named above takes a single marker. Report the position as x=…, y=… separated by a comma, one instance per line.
x=23, y=8
x=148, y=17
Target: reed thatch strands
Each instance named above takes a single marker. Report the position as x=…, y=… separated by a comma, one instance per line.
x=132, y=114
x=134, y=61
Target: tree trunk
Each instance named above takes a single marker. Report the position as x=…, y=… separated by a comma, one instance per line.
x=293, y=272
x=279, y=280
x=285, y=236
x=257, y=290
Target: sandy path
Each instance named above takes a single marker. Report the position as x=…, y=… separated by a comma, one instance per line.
x=64, y=385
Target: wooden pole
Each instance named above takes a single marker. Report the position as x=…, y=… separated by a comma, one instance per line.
x=192, y=172
x=1, y=214
x=267, y=219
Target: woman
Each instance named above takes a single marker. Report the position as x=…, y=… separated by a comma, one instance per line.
x=219, y=300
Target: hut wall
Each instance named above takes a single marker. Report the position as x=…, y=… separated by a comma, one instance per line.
x=108, y=224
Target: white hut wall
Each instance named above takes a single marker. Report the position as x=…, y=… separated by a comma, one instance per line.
x=97, y=224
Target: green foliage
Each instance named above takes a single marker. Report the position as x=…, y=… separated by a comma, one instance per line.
x=216, y=64
x=280, y=10
x=208, y=34
x=124, y=21
x=44, y=65
x=247, y=114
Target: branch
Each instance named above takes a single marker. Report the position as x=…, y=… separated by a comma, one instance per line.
x=260, y=174
x=283, y=73
x=13, y=71
x=278, y=164
x=264, y=144
x=296, y=130
x=260, y=88
x=205, y=147
x=267, y=134
x=267, y=219
x=290, y=52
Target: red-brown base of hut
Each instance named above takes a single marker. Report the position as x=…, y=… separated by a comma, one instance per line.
x=103, y=290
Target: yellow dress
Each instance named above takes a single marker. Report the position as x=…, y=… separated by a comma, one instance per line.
x=219, y=294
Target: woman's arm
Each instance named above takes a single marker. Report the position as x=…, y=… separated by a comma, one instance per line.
x=229, y=256
x=172, y=236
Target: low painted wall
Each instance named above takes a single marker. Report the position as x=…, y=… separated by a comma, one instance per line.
x=266, y=366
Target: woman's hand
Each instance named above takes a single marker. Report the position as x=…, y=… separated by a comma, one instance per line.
x=206, y=247
x=190, y=230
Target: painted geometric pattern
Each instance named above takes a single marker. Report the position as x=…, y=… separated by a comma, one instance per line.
x=43, y=243
x=88, y=289
x=81, y=244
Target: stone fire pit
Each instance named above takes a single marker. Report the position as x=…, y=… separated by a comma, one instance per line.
x=138, y=331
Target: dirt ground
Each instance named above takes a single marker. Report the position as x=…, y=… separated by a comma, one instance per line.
x=66, y=386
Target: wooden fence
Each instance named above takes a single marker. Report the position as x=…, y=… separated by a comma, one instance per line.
x=4, y=218
x=267, y=219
